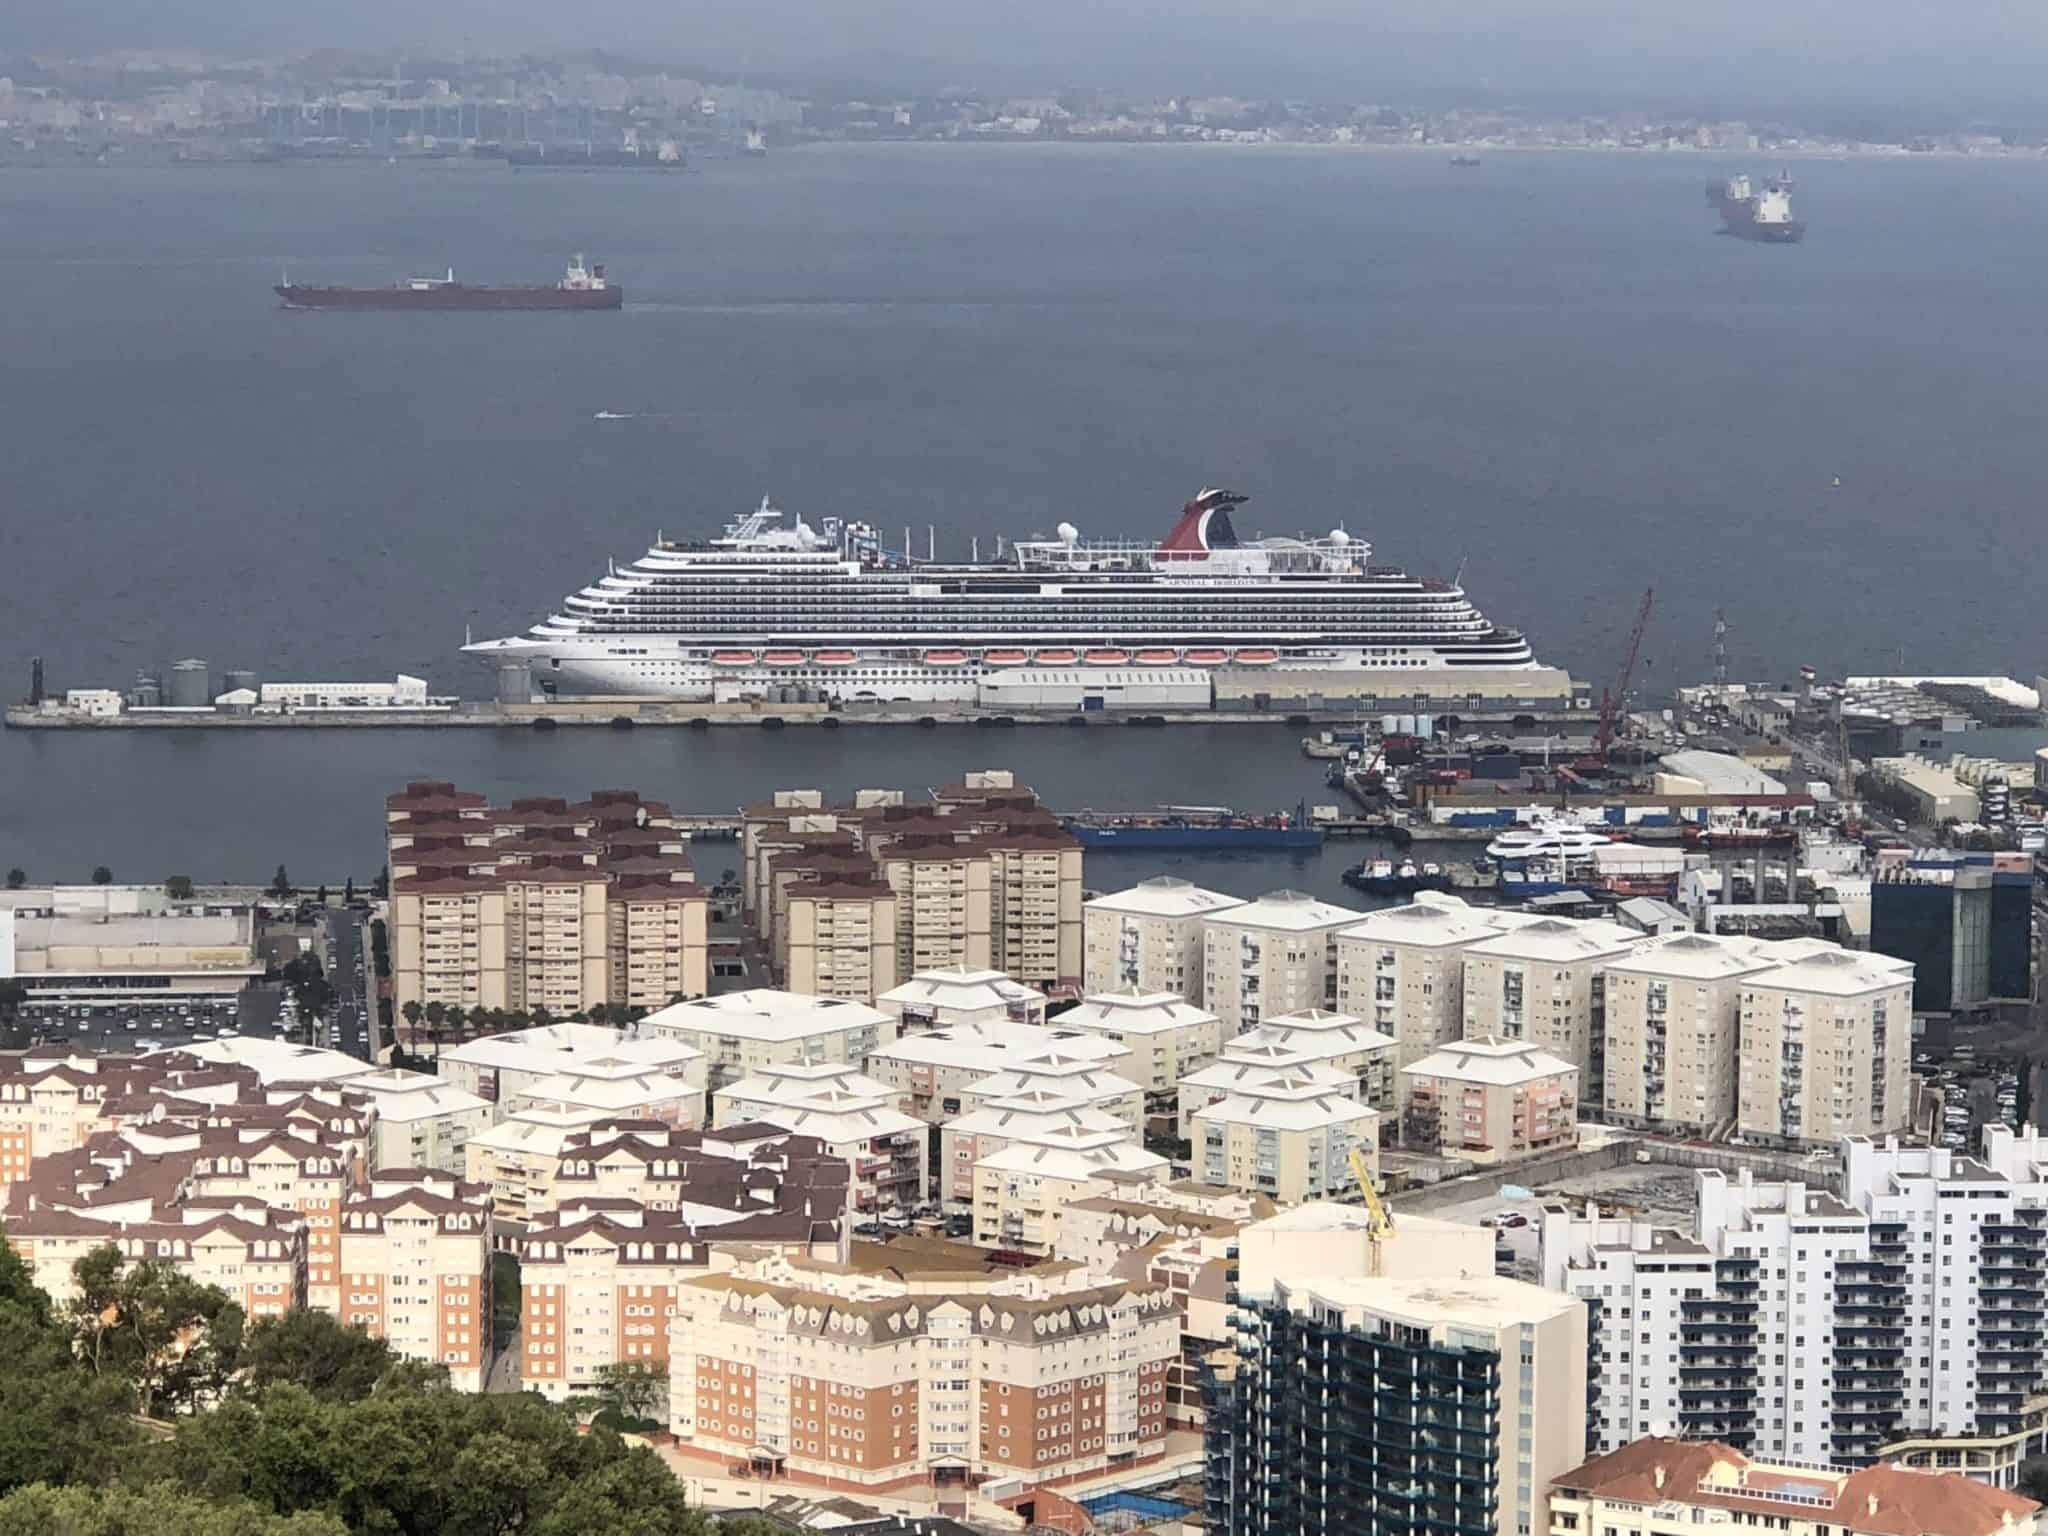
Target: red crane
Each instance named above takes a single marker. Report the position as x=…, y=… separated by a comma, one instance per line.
x=1612, y=703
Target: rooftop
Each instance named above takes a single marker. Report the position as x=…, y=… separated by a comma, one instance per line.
x=761, y=1013
x=1287, y=912
x=1165, y=896
x=1501, y=1063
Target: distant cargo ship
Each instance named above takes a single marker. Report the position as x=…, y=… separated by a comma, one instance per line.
x=1189, y=827
x=581, y=287
x=1464, y=162
x=1752, y=215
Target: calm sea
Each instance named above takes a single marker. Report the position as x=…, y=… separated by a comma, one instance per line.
x=1547, y=371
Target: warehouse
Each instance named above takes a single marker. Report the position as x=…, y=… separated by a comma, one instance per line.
x=1082, y=689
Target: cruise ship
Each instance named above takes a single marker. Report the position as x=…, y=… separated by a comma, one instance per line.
x=776, y=602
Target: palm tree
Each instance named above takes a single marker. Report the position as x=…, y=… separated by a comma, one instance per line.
x=437, y=1016
x=412, y=1012
x=542, y=1017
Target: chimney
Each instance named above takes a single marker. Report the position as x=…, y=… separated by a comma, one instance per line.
x=1660, y=1478
x=1871, y=1501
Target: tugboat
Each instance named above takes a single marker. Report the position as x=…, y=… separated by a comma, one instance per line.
x=1383, y=877
x=1748, y=214
x=581, y=287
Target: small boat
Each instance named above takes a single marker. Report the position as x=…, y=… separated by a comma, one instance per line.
x=732, y=658
x=1057, y=658
x=945, y=658
x=1157, y=658
x=783, y=658
x=1256, y=656
x=1107, y=658
x=1005, y=658
x=1206, y=656
x=1383, y=877
x=835, y=658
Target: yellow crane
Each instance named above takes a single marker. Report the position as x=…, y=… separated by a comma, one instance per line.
x=1379, y=1223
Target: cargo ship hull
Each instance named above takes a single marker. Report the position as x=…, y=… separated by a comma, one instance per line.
x=1194, y=838
x=447, y=296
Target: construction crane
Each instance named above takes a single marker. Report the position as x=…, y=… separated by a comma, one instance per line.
x=1613, y=703
x=1379, y=1224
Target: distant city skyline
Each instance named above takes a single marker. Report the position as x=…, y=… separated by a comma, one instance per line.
x=1739, y=56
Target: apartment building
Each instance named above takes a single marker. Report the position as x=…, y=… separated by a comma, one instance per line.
x=1367, y=1405
x=958, y=997
x=839, y=940
x=1897, y=1321
x=943, y=903
x=1402, y=970
x=1673, y=1032
x=714, y=1179
x=263, y=1188
x=541, y=904
x=1060, y=1078
x=600, y=1276
x=509, y=1069
x=852, y=1116
x=1665, y=1487
x=419, y=1120
x=1035, y=905
x=912, y=1365
x=936, y=1067
x=1251, y=1067
x=1022, y=1191
x=1168, y=1036
x=1033, y=1119
x=1325, y=1047
x=1546, y=982
x=1826, y=1043
x=1492, y=1101
x=1273, y=955
x=739, y=1033
x=52, y=1101
x=1149, y=937
x=415, y=1270
x=1288, y=1138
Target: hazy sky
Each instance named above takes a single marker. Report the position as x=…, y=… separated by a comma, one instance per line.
x=1959, y=54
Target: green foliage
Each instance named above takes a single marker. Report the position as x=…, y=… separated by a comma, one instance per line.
x=171, y=1339
x=2033, y=1479
x=101, y=875
x=633, y=1387
x=158, y=1511
x=326, y=1357
x=427, y=1464
x=504, y=1299
x=17, y=877
x=311, y=991
x=58, y=1422
x=178, y=887
x=281, y=884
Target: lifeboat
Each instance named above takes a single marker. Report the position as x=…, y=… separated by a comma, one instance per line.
x=1106, y=658
x=1005, y=658
x=732, y=658
x=1157, y=658
x=1256, y=656
x=783, y=658
x=835, y=658
x=945, y=658
x=1207, y=656
x=1057, y=658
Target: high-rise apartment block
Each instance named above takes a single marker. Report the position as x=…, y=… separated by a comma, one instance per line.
x=1149, y=937
x=1273, y=955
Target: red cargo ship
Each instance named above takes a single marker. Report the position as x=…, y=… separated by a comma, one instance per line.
x=581, y=287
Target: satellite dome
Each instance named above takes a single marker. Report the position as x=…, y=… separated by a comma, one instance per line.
x=1069, y=534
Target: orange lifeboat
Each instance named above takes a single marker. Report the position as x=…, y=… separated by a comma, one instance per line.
x=1057, y=658
x=835, y=658
x=1207, y=656
x=732, y=658
x=1107, y=657
x=1256, y=656
x=783, y=658
x=1157, y=658
x=1005, y=658
x=945, y=658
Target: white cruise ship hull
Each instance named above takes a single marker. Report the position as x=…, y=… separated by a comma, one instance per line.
x=834, y=614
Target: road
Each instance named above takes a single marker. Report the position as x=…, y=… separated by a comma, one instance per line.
x=347, y=965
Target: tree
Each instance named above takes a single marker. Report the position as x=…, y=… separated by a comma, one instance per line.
x=13, y=1023
x=2033, y=1479
x=413, y=1013
x=323, y=1355
x=312, y=993
x=101, y=875
x=17, y=877
x=505, y=1299
x=632, y=1387
x=348, y=891
x=281, y=884
x=172, y=1339
x=381, y=886
x=542, y=1017
x=178, y=888
x=161, y=1510
x=321, y=896
x=437, y=1018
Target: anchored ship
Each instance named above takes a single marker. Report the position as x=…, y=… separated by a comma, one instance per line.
x=1750, y=214
x=1188, y=827
x=581, y=287
x=773, y=603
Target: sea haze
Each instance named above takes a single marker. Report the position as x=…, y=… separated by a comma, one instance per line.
x=1547, y=370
